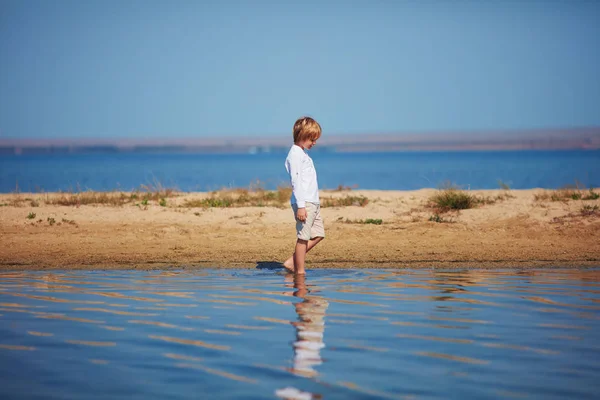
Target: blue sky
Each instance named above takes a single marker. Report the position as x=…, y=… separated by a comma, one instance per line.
x=155, y=69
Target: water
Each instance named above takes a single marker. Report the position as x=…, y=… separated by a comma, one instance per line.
x=391, y=171
x=338, y=334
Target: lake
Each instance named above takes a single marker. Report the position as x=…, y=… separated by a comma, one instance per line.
x=386, y=171
x=336, y=334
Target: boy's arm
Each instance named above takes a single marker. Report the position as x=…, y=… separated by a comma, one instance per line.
x=295, y=163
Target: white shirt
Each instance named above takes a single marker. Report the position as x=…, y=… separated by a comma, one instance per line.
x=303, y=177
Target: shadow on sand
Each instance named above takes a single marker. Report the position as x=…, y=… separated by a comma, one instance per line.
x=269, y=265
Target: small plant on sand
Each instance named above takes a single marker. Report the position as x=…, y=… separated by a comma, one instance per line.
x=565, y=194
x=51, y=221
x=452, y=198
x=31, y=215
x=373, y=221
x=436, y=218
x=588, y=210
x=34, y=203
x=591, y=195
x=503, y=185
x=163, y=202
x=541, y=196
x=69, y=221
x=145, y=202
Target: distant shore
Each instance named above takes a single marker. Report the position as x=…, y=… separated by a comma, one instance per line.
x=388, y=229
x=583, y=138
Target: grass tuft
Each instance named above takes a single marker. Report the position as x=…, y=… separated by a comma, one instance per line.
x=439, y=219
x=588, y=210
x=452, y=199
x=591, y=195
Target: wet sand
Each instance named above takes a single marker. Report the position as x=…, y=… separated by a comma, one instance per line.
x=517, y=232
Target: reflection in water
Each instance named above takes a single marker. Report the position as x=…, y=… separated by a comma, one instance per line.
x=310, y=328
x=228, y=333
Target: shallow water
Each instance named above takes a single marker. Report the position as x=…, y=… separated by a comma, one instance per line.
x=337, y=334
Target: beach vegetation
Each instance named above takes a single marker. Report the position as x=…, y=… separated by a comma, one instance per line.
x=591, y=195
x=31, y=215
x=368, y=221
x=452, y=198
x=257, y=196
x=439, y=219
x=493, y=199
x=89, y=198
x=51, y=221
x=503, y=185
x=342, y=188
x=162, y=202
x=345, y=201
x=589, y=210
x=254, y=196
x=69, y=221
x=78, y=197
x=567, y=193
x=34, y=203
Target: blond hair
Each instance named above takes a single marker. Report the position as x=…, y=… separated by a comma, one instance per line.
x=306, y=128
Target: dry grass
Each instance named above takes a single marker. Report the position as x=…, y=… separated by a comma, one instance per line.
x=345, y=201
x=88, y=198
x=253, y=197
x=567, y=193
x=367, y=221
x=79, y=198
x=259, y=197
x=453, y=198
x=588, y=210
x=109, y=198
x=342, y=188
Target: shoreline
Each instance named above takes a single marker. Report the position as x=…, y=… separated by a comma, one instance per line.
x=521, y=229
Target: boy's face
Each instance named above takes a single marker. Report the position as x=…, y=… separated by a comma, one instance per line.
x=308, y=143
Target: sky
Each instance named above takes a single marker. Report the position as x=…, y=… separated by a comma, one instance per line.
x=188, y=69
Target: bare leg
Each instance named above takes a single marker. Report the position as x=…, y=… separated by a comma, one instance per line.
x=300, y=256
x=289, y=263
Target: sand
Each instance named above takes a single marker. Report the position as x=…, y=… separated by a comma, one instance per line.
x=515, y=233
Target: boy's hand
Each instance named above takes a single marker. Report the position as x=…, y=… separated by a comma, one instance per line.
x=301, y=214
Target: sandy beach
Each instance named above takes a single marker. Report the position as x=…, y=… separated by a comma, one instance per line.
x=521, y=230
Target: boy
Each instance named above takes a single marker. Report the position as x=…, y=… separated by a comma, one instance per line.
x=305, y=193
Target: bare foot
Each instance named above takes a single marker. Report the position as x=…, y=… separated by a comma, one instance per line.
x=289, y=265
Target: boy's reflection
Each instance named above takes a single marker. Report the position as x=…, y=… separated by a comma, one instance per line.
x=309, y=328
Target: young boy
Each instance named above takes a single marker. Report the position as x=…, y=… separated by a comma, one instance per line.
x=305, y=193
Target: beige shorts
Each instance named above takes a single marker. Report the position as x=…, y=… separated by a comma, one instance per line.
x=313, y=226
